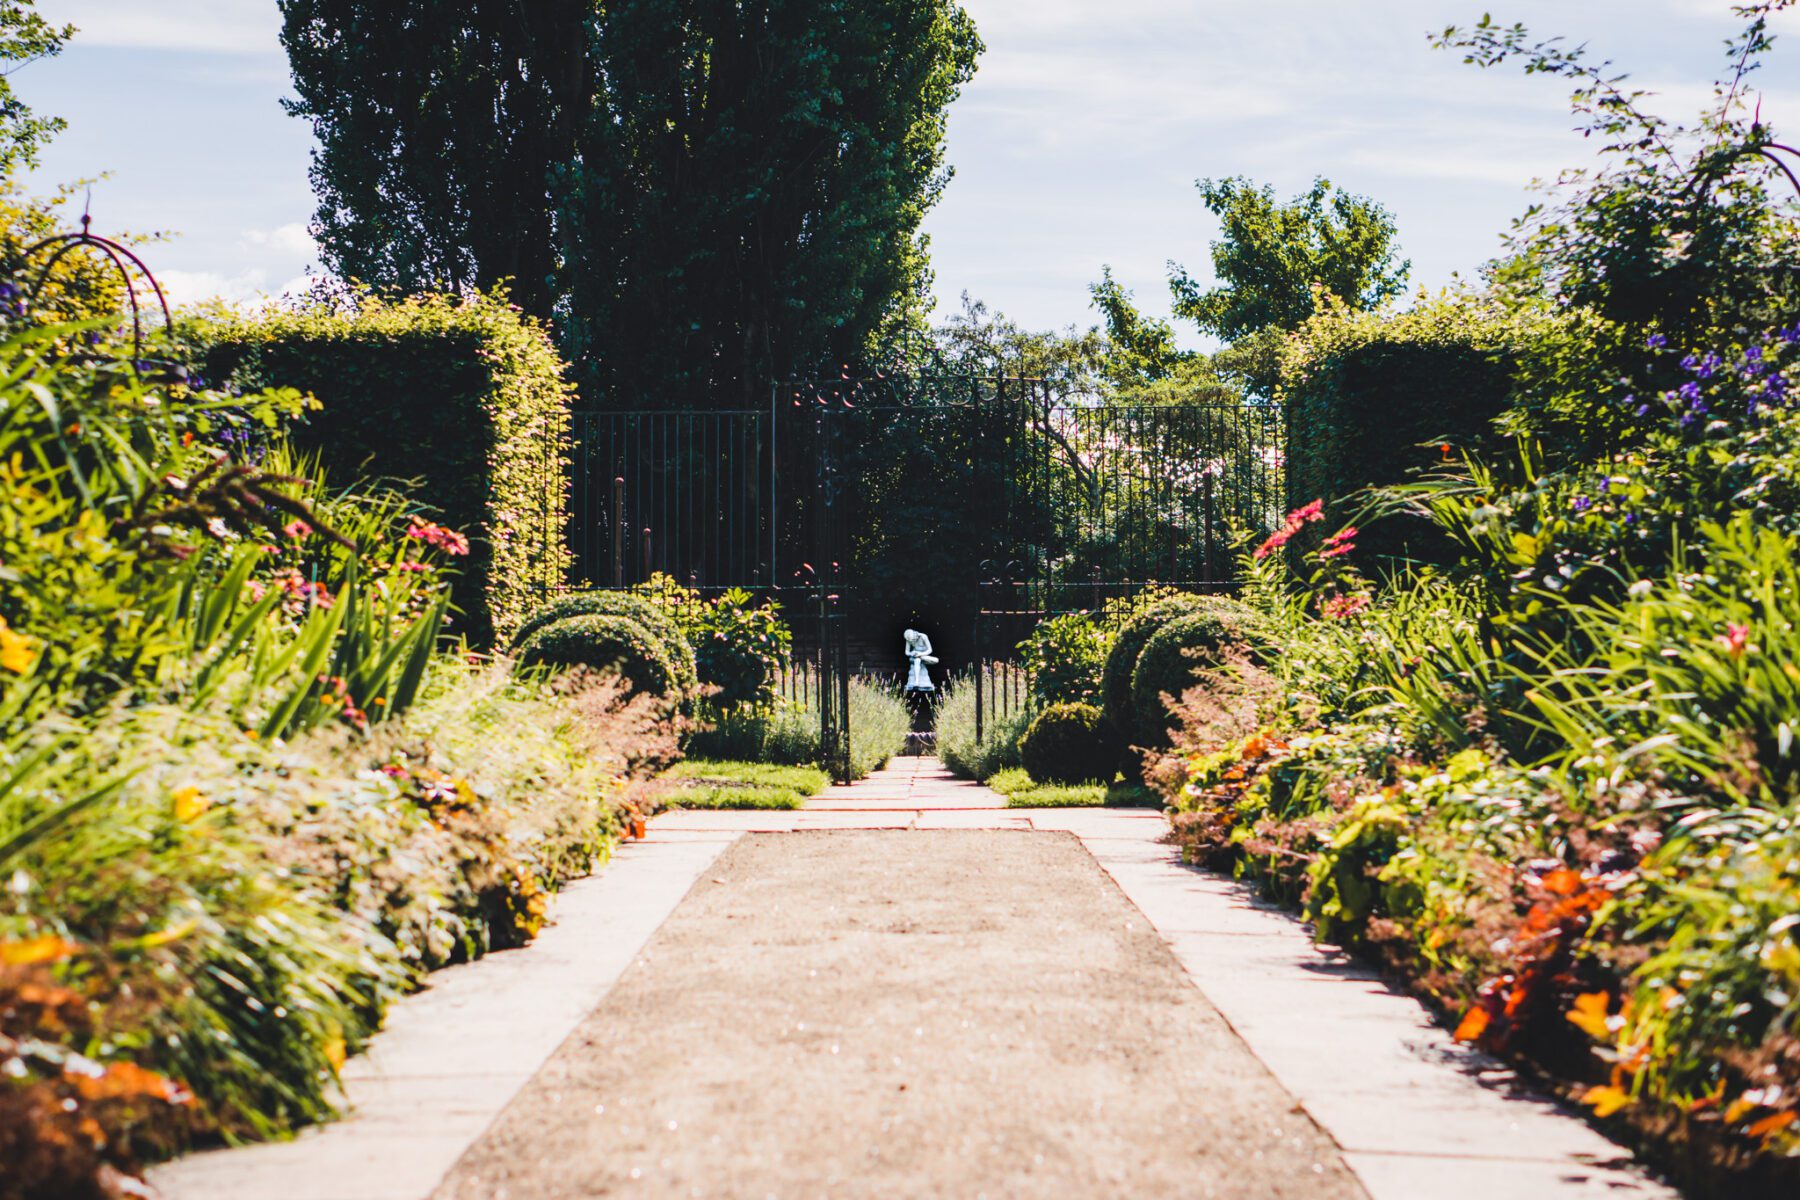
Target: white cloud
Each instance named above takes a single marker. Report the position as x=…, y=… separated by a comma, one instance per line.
x=216, y=26
x=293, y=240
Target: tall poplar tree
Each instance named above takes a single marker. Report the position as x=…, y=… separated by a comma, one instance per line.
x=703, y=194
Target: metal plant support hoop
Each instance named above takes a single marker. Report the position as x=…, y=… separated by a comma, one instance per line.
x=123, y=260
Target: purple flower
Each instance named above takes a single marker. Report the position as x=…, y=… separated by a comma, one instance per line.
x=1689, y=391
x=1655, y=341
x=1581, y=504
x=1702, y=368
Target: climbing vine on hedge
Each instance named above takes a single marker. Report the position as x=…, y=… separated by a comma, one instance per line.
x=463, y=399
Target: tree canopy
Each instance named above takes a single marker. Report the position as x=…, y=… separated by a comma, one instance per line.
x=25, y=37
x=703, y=195
x=1270, y=257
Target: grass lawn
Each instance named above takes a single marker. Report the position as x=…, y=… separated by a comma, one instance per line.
x=707, y=783
x=1022, y=791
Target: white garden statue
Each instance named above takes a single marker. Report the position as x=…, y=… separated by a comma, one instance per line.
x=918, y=657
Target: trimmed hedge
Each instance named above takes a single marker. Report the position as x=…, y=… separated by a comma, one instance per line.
x=1169, y=666
x=1371, y=399
x=657, y=621
x=461, y=399
x=1121, y=660
x=603, y=642
x=1069, y=743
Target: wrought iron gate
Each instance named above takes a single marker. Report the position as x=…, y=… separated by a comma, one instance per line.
x=982, y=504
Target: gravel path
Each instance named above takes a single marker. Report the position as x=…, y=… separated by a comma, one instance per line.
x=945, y=1014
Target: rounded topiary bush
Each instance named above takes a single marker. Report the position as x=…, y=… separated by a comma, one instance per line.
x=1122, y=659
x=652, y=618
x=602, y=642
x=1069, y=743
x=1176, y=654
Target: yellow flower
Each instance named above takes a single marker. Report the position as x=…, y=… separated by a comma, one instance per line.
x=16, y=653
x=1590, y=1015
x=190, y=803
x=1605, y=1101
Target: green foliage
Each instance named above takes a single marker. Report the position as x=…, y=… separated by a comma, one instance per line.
x=1275, y=260
x=661, y=621
x=1139, y=348
x=787, y=733
x=1178, y=653
x=741, y=645
x=603, y=643
x=462, y=401
x=1552, y=781
x=954, y=725
x=1069, y=743
x=1064, y=658
x=1374, y=399
x=1684, y=228
x=25, y=37
x=1121, y=660
x=606, y=116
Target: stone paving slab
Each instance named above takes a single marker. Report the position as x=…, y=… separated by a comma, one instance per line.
x=452, y=1056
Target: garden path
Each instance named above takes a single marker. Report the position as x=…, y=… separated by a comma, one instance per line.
x=919, y=997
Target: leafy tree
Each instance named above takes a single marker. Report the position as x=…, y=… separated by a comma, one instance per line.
x=1142, y=349
x=705, y=194
x=25, y=37
x=751, y=185
x=440, y=127
x=1678, y=229
x=1272, y=256
x=1686, y=234
x=979, y=341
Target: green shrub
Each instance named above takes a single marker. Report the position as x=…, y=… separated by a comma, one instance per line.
x=998, y=747
x=740, y=646
x=1069, y=743
x=1122, y=659
x=463, y=398
x=1372, y=397
x=603, y=643
x=1065, y=657
x=656, y=620
x=1177, y=653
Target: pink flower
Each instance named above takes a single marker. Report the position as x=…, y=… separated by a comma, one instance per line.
x=1296, y=521
x=1338, y=608
x=1735, y=640
x=432, y=534
x=296, y=530
x=1339, y=544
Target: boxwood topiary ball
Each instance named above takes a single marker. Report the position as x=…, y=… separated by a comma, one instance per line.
x=1176, y=655
x=1122, y=659
x=1069, y=743
x=602, y=642
x=655, y=621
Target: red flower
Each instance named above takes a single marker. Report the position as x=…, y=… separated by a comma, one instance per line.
x=1735, y=640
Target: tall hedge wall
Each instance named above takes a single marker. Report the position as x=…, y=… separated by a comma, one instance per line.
x=460, y=399
x=1371, y=399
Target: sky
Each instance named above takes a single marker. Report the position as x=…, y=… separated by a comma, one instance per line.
x=1076, y=145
